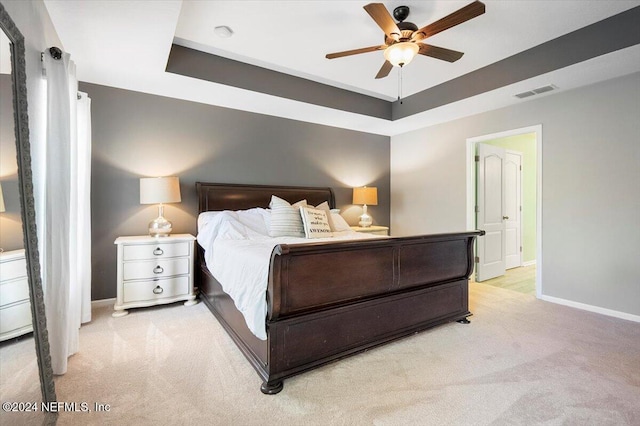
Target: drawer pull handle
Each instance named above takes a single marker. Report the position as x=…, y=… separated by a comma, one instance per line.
x=158, y=251
x=158, y=290
x=158, y=270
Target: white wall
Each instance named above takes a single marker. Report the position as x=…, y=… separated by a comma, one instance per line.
x=590, y=188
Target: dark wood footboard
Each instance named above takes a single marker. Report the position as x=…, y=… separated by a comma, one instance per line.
x=310, y=277
x=331, y=300
x=306, y=341
x=327, y=301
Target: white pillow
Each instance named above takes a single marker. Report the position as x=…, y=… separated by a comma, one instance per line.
x=205, y=217
x=285, y=218
x=254, y=220
x=316, y=223
x=324, y=206
x=338, y=223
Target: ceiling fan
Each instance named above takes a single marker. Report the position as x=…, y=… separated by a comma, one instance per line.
x=403, y=40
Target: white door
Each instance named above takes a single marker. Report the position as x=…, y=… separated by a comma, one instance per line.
x=513, y=208
x=490, y=201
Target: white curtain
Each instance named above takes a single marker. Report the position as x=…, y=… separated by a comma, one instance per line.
x=66, y=235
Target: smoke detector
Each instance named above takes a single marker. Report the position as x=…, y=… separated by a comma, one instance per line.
x=223, y=31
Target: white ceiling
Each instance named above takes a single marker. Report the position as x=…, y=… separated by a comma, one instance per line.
x=126, y=44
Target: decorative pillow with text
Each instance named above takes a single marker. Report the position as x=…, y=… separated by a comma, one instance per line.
x=315, y=222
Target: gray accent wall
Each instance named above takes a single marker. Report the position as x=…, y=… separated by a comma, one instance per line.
x=138, y=135
x=590, y=187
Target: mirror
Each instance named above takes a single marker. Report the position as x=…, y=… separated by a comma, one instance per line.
x=22, y=247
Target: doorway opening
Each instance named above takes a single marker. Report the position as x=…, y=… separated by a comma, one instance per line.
x=521, y=279
x=527, y=140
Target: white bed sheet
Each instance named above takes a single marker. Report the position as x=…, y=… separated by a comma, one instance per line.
x=237, y=253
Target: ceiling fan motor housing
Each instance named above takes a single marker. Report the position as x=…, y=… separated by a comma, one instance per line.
x=401, y=13
x=406, y=33
x=407, y=29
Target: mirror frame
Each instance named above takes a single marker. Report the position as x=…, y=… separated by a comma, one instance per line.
x=27, y=205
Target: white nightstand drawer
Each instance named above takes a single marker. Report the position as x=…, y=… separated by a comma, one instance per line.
x=153, y=251
x=154, y=271
x=155, y=289
x=15, y=317
x=13, y=269
x=373, y=230
x=155, y=268
x=14, y=291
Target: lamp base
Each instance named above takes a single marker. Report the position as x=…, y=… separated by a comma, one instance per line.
x=365, y=220
x=160, y=227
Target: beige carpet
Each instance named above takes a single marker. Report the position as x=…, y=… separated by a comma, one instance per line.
x=521, y=361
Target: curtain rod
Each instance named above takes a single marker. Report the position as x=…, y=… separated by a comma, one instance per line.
x=56, y=53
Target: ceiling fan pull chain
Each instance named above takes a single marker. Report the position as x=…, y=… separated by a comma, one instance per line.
x=400, y=85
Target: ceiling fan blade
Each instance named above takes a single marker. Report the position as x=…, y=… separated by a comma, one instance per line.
x=470, y=11
x=385, y=70
x=354, y=52
x=439, y=52
x=383, y=18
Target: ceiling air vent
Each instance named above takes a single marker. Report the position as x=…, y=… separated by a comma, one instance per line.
x=537, y=91
x=525, y=94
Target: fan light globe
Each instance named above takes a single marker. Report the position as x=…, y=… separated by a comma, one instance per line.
x=400, y=54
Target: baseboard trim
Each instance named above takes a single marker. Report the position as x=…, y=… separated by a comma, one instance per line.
x=529, y=263
x=591, y=308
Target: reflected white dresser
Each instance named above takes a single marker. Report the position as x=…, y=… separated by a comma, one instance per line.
x=154, y=271
x=15, y=308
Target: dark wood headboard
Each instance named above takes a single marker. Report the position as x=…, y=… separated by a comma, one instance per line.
x=222, y=196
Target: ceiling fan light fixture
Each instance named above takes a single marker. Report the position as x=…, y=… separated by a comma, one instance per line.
x=400, y=54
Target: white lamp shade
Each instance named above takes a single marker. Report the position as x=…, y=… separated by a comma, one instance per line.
x=366, y=195
x=160, y=190
x=400, y=54
x=2, y=209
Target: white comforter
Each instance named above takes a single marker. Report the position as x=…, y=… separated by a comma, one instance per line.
x=238, y=251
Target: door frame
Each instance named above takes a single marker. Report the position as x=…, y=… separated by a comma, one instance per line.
x=471, y=187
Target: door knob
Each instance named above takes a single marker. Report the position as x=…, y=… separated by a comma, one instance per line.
x=505, y=217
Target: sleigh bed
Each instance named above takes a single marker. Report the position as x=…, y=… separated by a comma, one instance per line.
x=326, y=301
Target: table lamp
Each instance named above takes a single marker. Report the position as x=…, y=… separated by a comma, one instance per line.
x=160, y=190
x=365, y=195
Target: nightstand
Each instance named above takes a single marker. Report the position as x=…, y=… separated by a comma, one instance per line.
x=373, y=229
x=154, y=271
x=15, y=308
